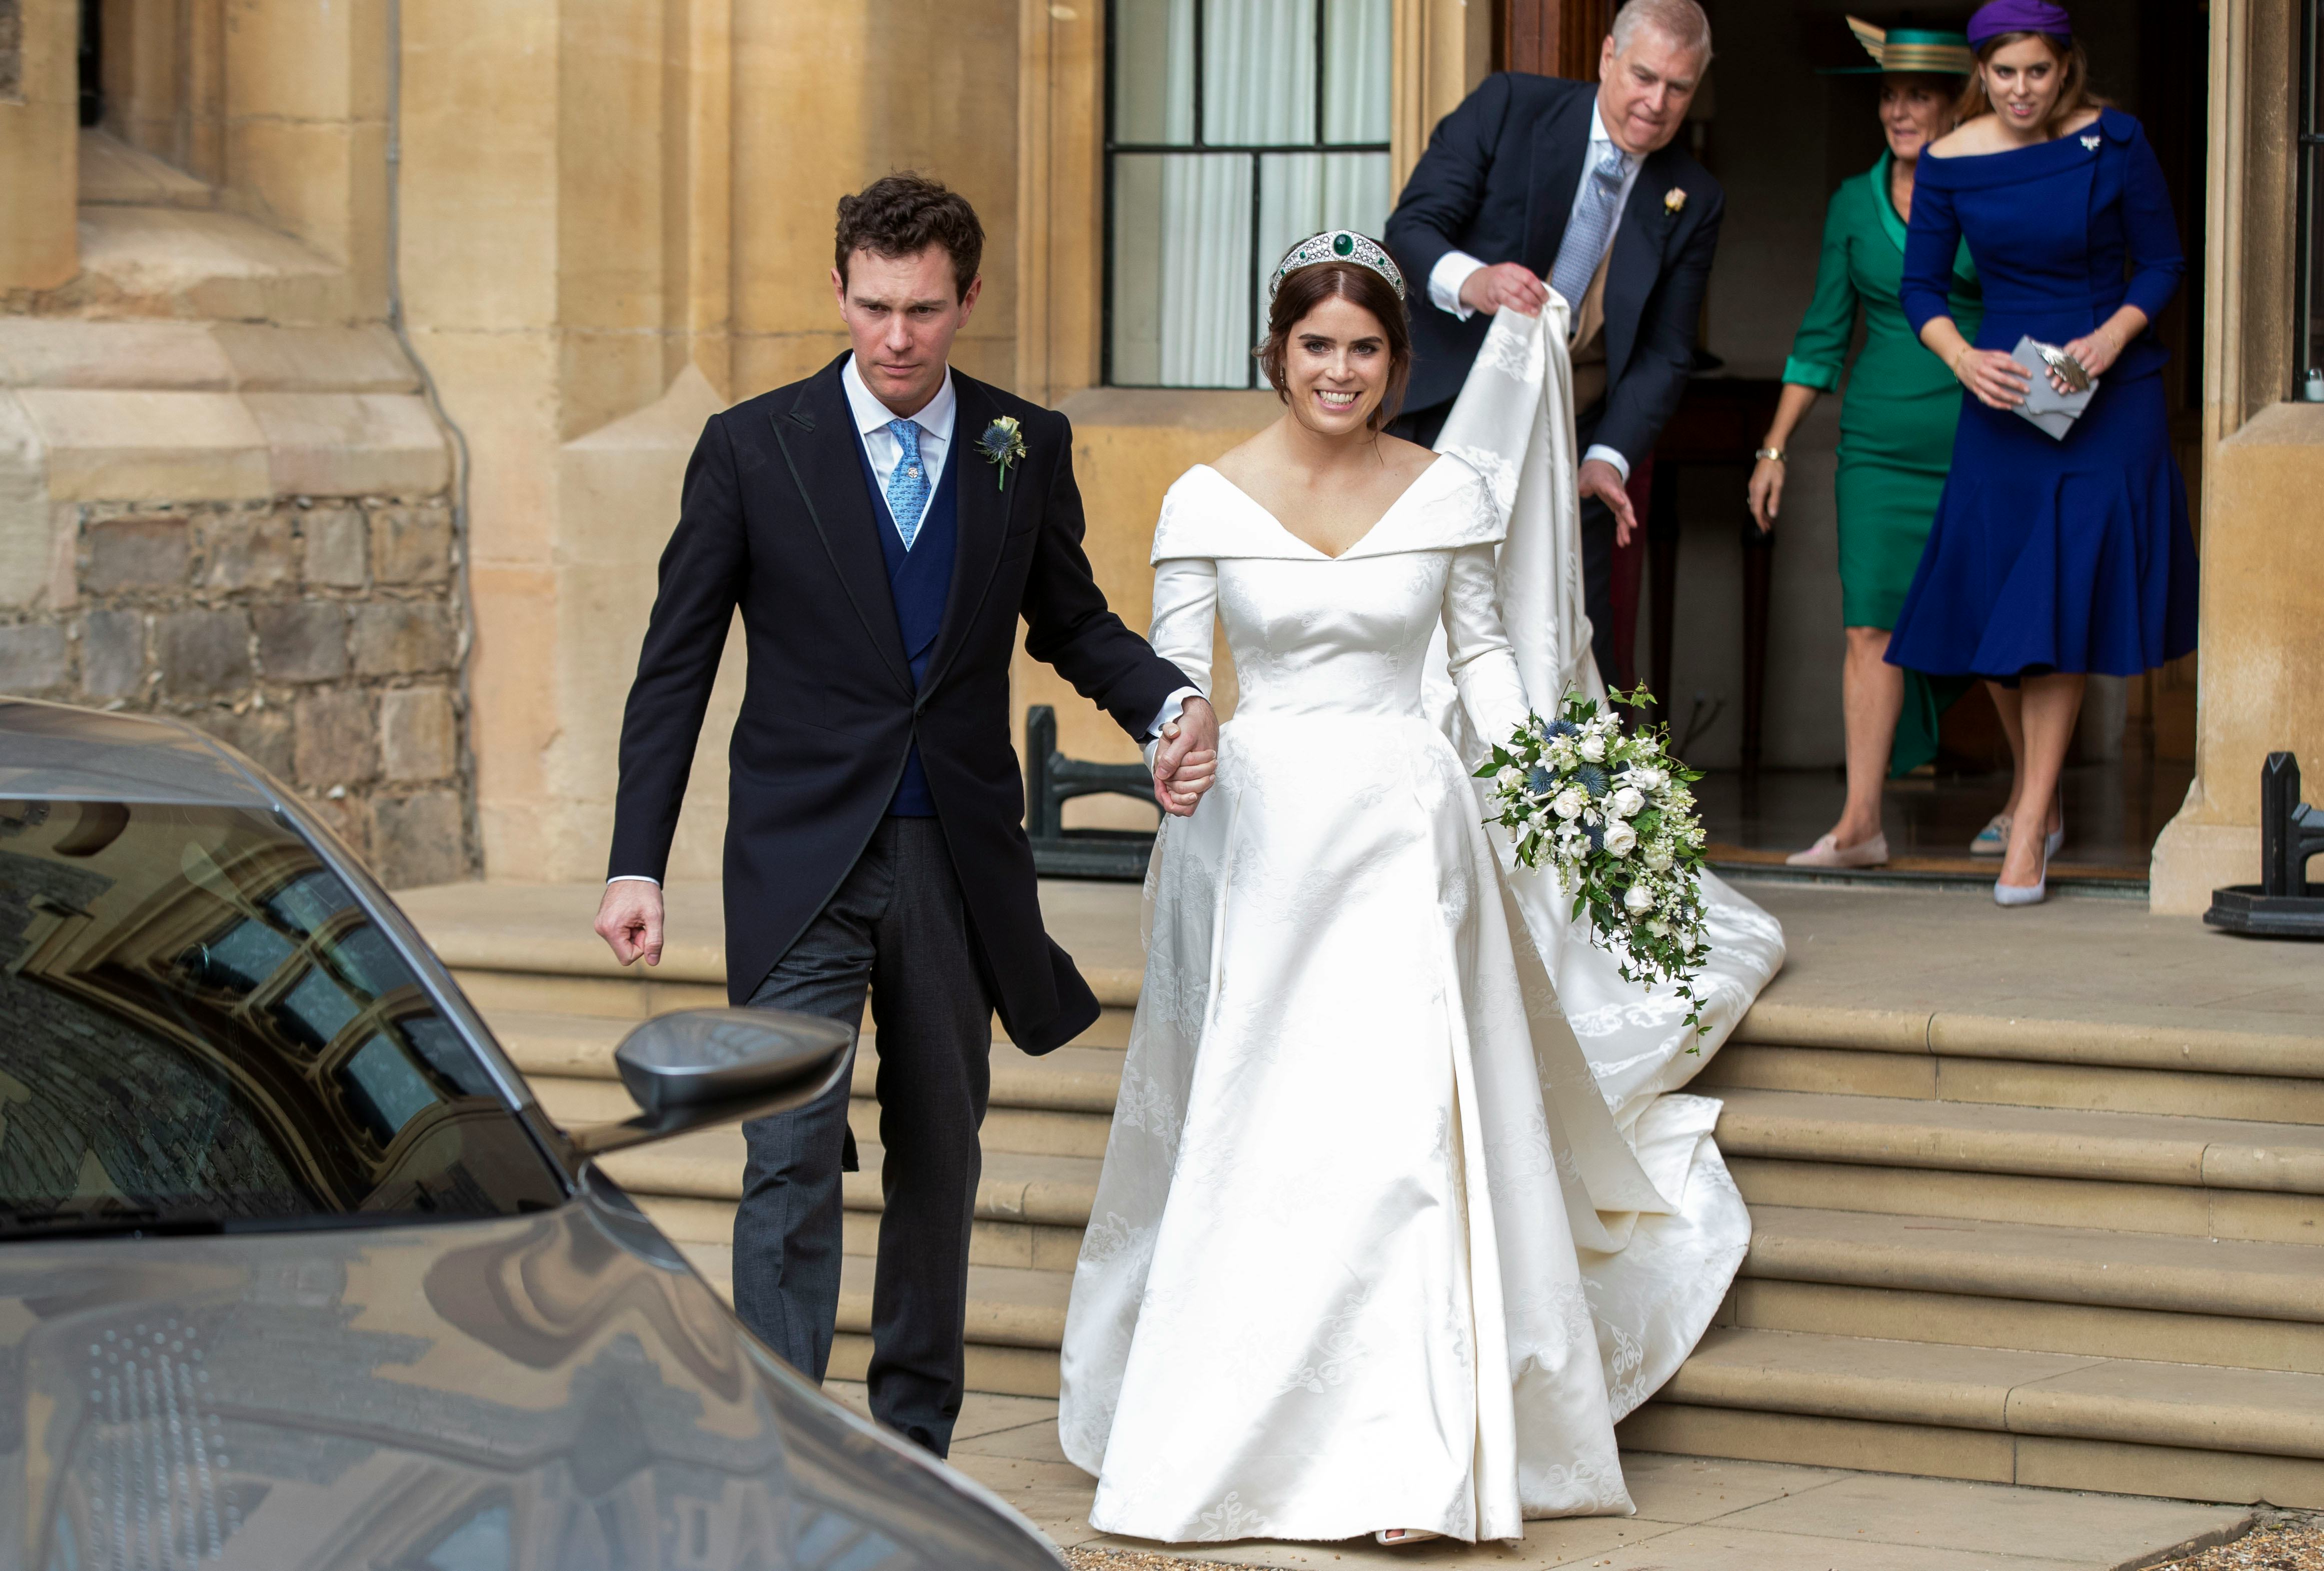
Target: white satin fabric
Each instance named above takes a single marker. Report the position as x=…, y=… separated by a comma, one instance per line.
x=1380, y=1240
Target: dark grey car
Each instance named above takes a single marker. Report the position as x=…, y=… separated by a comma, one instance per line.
x=293, y=1273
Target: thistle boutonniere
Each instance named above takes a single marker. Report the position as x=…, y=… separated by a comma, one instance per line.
x=1674, y=201
x=1002, y=444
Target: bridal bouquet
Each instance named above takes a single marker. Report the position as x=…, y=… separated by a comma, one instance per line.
x=1611, y=816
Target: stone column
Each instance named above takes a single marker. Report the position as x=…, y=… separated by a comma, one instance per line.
x=2262, y=641
x=40, y=164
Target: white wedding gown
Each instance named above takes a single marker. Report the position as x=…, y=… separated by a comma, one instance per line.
x=1386, y=1235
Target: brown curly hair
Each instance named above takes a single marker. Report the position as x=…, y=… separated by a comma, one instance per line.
x=2074, y=94
x=1308, y=287
x=902, y=215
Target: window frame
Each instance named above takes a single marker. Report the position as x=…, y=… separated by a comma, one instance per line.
x=1256, y=153
x=2308, y=148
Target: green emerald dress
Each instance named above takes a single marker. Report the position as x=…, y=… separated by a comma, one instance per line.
x=1896, y=423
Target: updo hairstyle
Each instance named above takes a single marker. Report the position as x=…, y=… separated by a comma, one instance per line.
x=1308, y=287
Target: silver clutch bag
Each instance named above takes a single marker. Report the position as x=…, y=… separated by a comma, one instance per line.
x=2054, y=412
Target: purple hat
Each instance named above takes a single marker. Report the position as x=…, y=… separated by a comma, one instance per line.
x=2019, y=16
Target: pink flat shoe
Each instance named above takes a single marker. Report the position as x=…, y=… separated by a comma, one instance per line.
x=1829, y=852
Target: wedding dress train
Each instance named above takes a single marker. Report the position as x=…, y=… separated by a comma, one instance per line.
x=1398, y=1215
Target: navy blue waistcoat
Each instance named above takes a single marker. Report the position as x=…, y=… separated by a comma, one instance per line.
x=919, y=580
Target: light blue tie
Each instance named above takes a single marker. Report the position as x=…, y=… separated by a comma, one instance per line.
x=907, y=487
x=1584, y=246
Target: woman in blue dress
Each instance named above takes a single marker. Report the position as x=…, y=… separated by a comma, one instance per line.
x=2049, y=560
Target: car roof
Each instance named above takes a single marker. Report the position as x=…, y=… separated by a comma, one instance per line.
x=55, y=750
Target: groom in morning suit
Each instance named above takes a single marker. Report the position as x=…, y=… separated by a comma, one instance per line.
x=1535, y=182
x=881, y=527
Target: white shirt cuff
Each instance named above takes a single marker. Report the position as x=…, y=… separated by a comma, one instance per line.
x=1172, y=707
x=634, y=878
x=1607, y=455
x=1444, y=281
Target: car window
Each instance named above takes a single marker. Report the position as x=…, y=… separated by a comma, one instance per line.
x=199, y=1025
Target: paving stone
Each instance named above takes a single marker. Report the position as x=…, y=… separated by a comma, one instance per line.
x=203, y=654
x=31, y=657
x=135, y=553
x=402, y=637
x=112, y=653
x=302, y=640
x=417, y=733
x=419, y=839
x=335, y=738
x=245, y=550
x=337, y=552
x=265, y=735
x=411, y=545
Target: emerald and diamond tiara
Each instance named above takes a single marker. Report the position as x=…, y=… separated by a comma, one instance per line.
x=1338, y=246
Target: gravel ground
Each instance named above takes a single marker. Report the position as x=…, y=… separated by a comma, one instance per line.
x=2289, y=1544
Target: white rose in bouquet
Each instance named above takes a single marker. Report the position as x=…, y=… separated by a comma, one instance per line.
x=1620, y=840
x=1627, y=802
x=1637, y=898
x=1509, y=779
x=1593, y=748
x=1569, y=802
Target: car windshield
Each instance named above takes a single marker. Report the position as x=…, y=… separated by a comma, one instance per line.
x=200, y=1027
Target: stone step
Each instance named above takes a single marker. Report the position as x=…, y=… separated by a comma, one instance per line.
x=2091, y=1088
x=2041, y=1288
x=2119, y=1425
x=2124, y=1149
x=145, y=260
x=112, y=172
x=2026, y=1038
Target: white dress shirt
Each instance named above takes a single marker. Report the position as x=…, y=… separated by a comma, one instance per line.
x=936, y=419
x=1453, y=269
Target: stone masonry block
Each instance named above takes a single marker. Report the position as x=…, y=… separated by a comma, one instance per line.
x=112, y=653
x=133, y=445
x=349, y=818
x=337, y=555
x=203, y=654
x=419, y=839
x=351, y=444
x=248, y=550
x=31, y=657
x=135, y=553
x=334, y=741
x=303, y=640
x=400, y=637
x=266, y=735
x=418, y=736
x=411, y=545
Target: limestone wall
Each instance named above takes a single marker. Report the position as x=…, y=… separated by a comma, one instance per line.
x=319, y=635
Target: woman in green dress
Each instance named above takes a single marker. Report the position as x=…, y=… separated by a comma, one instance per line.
x=1896, y=430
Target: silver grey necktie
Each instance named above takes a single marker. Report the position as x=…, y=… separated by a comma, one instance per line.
x=1584, y=246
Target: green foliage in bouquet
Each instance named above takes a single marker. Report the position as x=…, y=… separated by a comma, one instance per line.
x=1609, y=814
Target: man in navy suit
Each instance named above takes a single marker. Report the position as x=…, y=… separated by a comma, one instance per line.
x=881, y=527
x=1536, y=181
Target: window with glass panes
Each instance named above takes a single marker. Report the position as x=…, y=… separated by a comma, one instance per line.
x=1235, y=129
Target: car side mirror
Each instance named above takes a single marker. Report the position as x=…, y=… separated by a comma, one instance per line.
x=702, y=1067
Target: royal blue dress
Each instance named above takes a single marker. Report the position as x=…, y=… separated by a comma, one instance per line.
x=2046, y=555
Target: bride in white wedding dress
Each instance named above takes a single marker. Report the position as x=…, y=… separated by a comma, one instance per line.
x=1398, y=1215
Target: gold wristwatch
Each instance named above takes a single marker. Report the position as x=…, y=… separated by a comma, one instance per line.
x=1766, y=454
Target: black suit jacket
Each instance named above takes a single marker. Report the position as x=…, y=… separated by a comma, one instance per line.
x=1498, y=181
x=777, y=520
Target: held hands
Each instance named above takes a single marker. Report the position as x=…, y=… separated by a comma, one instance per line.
x=1765, y=496
x=1505, y=283
x=1599, y=478
x=629, y=919
x=1186, y=763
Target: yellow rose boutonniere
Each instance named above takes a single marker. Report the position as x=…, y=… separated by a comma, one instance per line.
x=1673, y=201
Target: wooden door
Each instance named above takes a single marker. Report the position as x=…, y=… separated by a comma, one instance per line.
x=1552, y=38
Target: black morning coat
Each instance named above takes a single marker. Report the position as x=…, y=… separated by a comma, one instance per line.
x=1498, y=181
x=777, y=520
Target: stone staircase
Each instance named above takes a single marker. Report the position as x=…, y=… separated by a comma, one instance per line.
x=2041, y=1252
